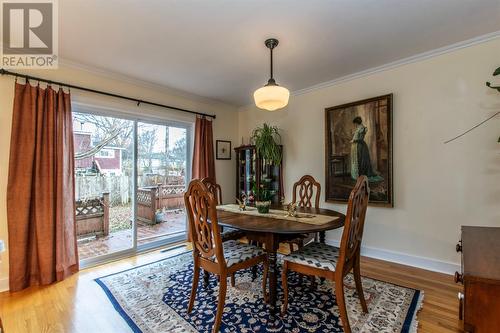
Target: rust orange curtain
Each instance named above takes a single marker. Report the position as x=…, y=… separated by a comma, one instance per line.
x=40, y=192
x=203, y=152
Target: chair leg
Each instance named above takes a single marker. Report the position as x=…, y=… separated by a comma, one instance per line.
x=254, y=268
x=220, y=303
x=196, y=277
x=339, y=295
x=264, y=280
x=233, y=280
x=359, y=285
x=206, y=278
x=284, y=281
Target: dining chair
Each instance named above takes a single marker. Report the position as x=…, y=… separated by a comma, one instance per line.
x=334, y=263
x=210, y=253
x=226, y=233
x=303, y=192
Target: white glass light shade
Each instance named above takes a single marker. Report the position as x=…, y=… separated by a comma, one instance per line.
x=271, y=97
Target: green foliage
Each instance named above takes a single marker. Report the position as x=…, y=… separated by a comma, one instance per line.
x=266, y=140
x=263, y=192
x=497, y=72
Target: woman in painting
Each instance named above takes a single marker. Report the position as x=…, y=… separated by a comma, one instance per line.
x=360, y=155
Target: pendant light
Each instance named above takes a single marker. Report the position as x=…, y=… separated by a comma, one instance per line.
x=271, y=97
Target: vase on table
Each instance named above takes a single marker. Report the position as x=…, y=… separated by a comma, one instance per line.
x=263, y=206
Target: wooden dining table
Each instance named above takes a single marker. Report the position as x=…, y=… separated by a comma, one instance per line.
x=272, y=231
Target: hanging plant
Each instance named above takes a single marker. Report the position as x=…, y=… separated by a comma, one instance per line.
x=497, y=88
x=497, y=72
x=267, y=143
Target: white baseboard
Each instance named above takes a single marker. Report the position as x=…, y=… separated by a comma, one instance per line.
x=4, y=284
x=406, y=259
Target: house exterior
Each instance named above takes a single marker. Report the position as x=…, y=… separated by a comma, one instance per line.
x=108, y=160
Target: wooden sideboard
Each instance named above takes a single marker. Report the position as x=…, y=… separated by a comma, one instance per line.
x=480, y=302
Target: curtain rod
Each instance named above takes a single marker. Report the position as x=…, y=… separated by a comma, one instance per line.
x=138, y=101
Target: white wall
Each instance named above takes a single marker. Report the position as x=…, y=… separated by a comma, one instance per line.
x=437, y=187
x=224, y=126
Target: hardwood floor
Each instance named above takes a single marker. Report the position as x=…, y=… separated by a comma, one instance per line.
x=78, y=304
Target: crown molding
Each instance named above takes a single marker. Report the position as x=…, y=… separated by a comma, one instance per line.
x=141, y=83
x=401, y=62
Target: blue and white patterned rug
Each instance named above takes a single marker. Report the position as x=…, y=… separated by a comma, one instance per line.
x=153, y=298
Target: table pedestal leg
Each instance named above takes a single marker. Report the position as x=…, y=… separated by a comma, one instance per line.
x=273, y=282
x=254, y=273
x=271, y=248
x=322, y=237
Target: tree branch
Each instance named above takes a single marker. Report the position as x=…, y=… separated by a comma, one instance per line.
x=97, y=148
x=472, y=128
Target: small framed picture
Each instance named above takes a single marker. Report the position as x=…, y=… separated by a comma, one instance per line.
x=223, y=150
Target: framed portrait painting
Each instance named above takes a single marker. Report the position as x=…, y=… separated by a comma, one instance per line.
x=359, y=142
x=222, y=150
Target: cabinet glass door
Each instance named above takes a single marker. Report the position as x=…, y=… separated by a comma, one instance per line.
x=270, y=174
x=246, y=174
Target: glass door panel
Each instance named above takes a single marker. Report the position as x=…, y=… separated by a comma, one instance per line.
x=161, y=182
x=246, y=174
x=103, y=184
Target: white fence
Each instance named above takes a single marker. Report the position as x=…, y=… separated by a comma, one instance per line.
x=118, y=187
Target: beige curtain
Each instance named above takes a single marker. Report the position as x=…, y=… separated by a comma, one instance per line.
x=40, y=193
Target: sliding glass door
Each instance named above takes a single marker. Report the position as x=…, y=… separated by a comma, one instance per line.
x=161, y=180
x=130, y=176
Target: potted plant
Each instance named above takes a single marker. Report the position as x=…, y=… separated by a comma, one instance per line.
x=264, y=196
x=267, y=143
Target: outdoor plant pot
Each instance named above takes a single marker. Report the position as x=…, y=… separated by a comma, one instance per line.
x=263, y=206
x=158, y=216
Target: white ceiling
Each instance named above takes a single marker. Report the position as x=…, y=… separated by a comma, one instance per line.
x=215, y=48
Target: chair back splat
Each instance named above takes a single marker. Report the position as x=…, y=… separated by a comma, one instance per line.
x=213, y=188
x=304, y=189
x=202, y=216
x=350, y=244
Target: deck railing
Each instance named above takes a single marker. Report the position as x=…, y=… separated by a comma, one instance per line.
x=152, y=199
x=92, y=216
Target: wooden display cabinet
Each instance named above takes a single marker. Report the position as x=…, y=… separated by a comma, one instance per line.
x=252, y=169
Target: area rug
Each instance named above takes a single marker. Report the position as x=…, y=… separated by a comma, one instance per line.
x=153, y=298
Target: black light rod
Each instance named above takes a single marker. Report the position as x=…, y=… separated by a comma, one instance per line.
x=138, y=101
x=272, y=63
